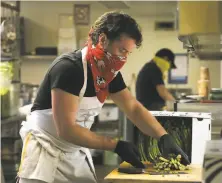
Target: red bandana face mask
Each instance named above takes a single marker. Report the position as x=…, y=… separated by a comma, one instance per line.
x=105, y=67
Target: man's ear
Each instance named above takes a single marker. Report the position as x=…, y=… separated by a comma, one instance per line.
x=103, y=41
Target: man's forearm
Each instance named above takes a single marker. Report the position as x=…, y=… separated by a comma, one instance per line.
x=81, y=136
x=164, y=93
x=167, y=96
x=147, y=123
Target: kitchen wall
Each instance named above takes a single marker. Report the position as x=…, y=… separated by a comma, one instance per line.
x=41, y=29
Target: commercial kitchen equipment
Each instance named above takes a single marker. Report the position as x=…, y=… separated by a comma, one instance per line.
x=199, y=25
x=108, y=123
x=10, y=58
x=28, y=93
x=10, y=89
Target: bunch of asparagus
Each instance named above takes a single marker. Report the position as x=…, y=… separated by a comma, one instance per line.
x=179, y=128
x=171, y=163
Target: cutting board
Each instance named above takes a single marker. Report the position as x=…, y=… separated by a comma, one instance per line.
x=193, y=175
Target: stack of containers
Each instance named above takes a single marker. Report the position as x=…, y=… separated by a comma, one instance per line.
x=204, y=82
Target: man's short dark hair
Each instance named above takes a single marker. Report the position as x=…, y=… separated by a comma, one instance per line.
x=114, y=24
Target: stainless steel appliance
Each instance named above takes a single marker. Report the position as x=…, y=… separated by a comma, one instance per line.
x=200, y=28
x=28, y=93
x=108, y=123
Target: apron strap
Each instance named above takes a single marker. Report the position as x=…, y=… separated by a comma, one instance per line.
x=84, y=63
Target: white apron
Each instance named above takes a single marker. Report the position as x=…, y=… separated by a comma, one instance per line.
x=46, y=157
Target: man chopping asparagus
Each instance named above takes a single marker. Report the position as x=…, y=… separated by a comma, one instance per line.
x=56, y=135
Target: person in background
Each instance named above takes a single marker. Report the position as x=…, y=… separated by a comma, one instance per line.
x=150, y=88
x=56, y=135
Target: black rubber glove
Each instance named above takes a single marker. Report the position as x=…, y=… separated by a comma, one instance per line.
x=167, y=146
x=129, y=153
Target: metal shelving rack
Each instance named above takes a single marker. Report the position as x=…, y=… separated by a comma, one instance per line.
x=10, y=51
x=10, y=13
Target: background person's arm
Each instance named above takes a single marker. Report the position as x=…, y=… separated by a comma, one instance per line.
x=164, y=93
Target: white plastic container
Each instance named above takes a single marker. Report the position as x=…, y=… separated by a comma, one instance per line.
x=201, y=131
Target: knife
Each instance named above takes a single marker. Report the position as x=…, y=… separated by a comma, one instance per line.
x=132, y=170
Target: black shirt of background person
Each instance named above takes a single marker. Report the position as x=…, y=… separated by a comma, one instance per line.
x=148, y=78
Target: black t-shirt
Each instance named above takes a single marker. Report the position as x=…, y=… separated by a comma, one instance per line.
x=148, y=78
x=66, y=73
